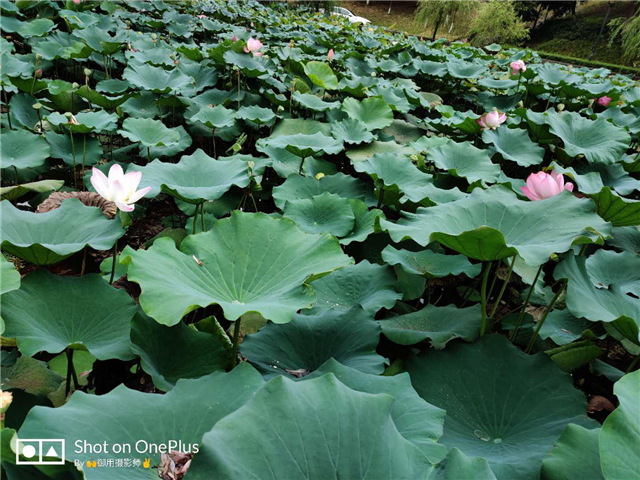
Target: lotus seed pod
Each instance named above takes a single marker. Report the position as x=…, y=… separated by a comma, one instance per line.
x=87, y=72
x=319, y=175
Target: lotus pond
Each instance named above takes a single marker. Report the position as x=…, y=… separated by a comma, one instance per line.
x=248, y=241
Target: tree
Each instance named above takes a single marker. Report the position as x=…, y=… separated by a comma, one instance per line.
x=628, y=29
x=604, y=24
x=498, y=23
x=443, y=12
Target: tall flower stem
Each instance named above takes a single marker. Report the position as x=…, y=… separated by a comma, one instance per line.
x=544, y=317
x=236, y=338
x=71, y=372
x=238, y=89
x=6, y=103
x=202, y=216
x=73, y=152
x=515, y=99
x=504, y=286
x=84, y=154
x=115, y=260
x=524, y=305
x=195, y=220
x=483, y=298
x=301, y=165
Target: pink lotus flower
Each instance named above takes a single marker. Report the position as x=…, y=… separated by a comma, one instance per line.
x=330, y=55
x=77, y=2
x=491, y=120
x=253, y=45
x=118, y=187
x=234, y=39
x=202, y=16
x=39, y=73
x=604, y=101
x=517, y=66
x=543, y=185
x=73, y=120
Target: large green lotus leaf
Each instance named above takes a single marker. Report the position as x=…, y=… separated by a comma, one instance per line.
x=514, y=144
x=49, y=313
x=215, y=117
x=429, y=263
x=125, y=415
x=366, y=151
x=416, y=420
x=620, y=433
x=465, y=160
x=315, y=429
x=325, y=213
x=251, y=66
x=22, y=112
x=364, y=224
x=108, y=102
x=171, y=353
x=465, y=70
x=368, y=285
x=171, y=150
x=575, y=455
x=626, y=239
x=194, y=178
x=439, y=324
x=157, y=79
x=10, y=279
x=621, y=119
x=251, y=262
x=563, y=328
x=590, y=179
x=23, y=149
x=417, y=186
x=142, y=106
x=306, y=342
x=150, y=133
x=62, y=148
x=351, y=130
x=95, y=121
x=494, y=224
x=47, y=238
x=373, y=112
x=292, y=126
x=510, y=412
x=598, y=292
x=621, y=212
x=34, y=377
x=313, y=102
x=256, y=114
x=14, y=192
x=321, y=75
x=297, y=187
x=36, y=28
x=457, y=466
x=303, y=145
x=598, y=141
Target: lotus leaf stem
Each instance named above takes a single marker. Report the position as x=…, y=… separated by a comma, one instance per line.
x=236, y=337
x=544, y=317
x=483, y=298
x=524, y=305
x=71, y=372
x=115, y=260
x=504, y=286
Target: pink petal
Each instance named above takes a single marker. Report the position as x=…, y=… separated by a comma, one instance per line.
x=529, y=194
x=547, y=188
x=124, y=207
x=139, y=194
x=568, y=186
x=131, y=181
x=116, y=172
x=100, y=183
x=245, y=49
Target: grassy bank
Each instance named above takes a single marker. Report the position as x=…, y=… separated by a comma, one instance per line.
x=566, y=36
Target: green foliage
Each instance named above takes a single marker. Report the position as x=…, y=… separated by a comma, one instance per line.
x=445, y=13
x=628, y=30
x=498, y=22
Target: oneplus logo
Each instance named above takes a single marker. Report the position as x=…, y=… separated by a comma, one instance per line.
x=48, y=451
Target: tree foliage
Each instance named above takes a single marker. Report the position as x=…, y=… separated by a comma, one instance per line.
x=628, y=31
x=498, y=22
x=444, y=13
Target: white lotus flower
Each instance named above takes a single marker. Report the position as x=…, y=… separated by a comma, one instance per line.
x=118, y=187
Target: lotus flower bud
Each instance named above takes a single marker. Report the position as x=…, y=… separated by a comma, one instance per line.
x=5, y=400
x=234, y=39
x=543, y=185
x=39, y=73
x=251, y=164
x=604, y=101
x=87, y=72
x=330, y=55
x=560, y=107
x=74, y=85
x=280, y=109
